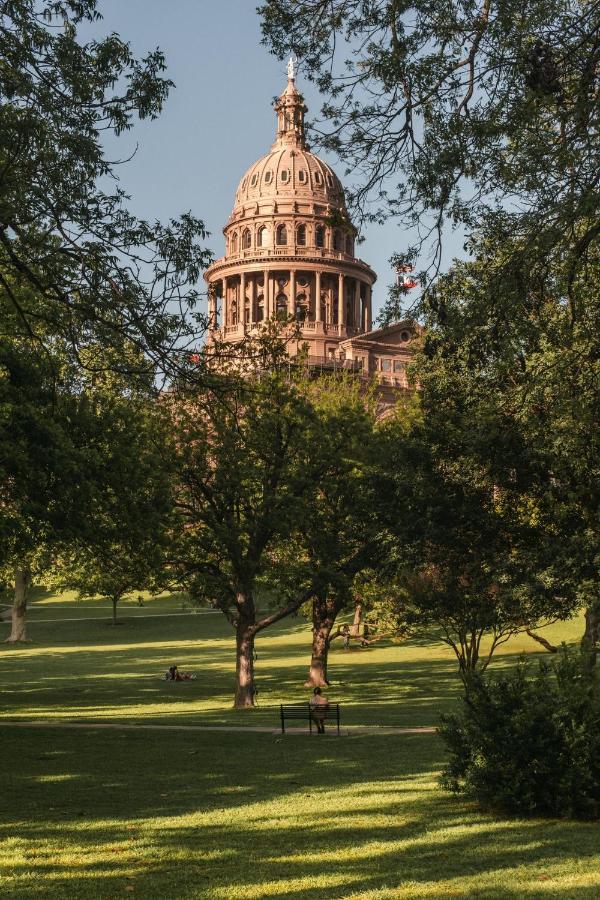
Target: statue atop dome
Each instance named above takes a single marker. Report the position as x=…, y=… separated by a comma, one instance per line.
x=291, y=68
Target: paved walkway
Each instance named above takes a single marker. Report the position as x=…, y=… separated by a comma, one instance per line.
x=262, y=729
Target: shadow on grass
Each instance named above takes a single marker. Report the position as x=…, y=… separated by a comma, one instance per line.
x=225, y=817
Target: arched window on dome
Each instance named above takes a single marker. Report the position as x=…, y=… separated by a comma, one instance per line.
x=301, y=236
x=262, y=236
x=233, y=242
x=337, y=239
x=281, y=235
x=284, y=176
x=246, y=239
x=349, y=247
x=320, y=236
x=318, y=178
x=302, y=176
x=268, y=177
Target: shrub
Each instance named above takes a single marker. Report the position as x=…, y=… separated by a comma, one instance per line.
x=530, y=744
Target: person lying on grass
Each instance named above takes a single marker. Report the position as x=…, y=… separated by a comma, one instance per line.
x=173, y=674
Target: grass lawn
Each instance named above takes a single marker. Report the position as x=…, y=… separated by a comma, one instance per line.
x=93, y=813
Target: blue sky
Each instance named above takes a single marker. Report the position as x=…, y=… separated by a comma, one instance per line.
x=218, y=120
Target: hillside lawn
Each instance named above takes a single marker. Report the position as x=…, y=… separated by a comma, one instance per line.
x=96, y=813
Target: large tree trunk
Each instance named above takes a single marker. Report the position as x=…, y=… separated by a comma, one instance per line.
x=591, y=635
x=317, y=673
x=245, y=690
x=324, y=613
x=114, y=600
x=18, y=631
x=355, y=627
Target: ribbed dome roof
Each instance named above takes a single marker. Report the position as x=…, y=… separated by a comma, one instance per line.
x=290, y=170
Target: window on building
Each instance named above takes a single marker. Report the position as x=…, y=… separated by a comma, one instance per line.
x=254, y=180
x=318, y=178
x=320, y=236
x=329, y=180
x=405, y=336
x=349, y=245
x=302, y=176
x=281, y=235
x=246, y=239
x=234, y=242
x=398, y=366
x=260, y=309
x=386, y=365
x=262, y=238
x=284, y=176
x=337, y=239
x=268, y=177
x=301, y=236
x=281, y=306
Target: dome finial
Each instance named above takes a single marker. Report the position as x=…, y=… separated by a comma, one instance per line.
x=291, y=71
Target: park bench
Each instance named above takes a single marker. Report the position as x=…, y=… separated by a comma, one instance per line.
x=303, y=711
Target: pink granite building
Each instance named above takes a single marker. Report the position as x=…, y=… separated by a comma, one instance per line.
x=290, y=251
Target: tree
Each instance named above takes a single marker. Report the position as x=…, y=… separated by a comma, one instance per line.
x=96, y=273
x=125, y=547
x=250, y=454
x=342, y=533
x=458, y=113
x=475, y=555
x=513, y=366
x=42, y=465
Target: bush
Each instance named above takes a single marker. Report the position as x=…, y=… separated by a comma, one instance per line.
x=530, y=744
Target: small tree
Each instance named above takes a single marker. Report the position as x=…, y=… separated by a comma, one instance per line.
x=124, y=546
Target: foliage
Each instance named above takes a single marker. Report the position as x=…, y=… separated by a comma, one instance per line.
x=458, y=112
x=530, y=744
x=96, y=273
x=125, y=545
x=470, y=557
x=510, y=368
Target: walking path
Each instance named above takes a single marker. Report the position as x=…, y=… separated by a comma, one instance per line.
x=262, y=729
x=107, y=617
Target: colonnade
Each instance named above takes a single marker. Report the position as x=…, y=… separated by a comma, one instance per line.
x=319, y=297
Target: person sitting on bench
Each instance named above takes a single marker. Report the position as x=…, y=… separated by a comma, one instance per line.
x=318, y=707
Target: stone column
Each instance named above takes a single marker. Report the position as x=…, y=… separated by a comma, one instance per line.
x=368, y=299
x=318, y=296
x=266, y=292
x=242, y=300
x=292, y=300
x=225, y=310
x=341, y=301
x=357, y=322
x=253, y=311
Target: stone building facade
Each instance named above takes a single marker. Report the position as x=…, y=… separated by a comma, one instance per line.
x=290, y=251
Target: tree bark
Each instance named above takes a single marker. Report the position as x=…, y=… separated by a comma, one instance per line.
x=317, y=673
x=546, y=644
x=324, y=614
x=115, y=600
x=245, y=690
x=355, y=627
x=591, y=635
x=18, y=632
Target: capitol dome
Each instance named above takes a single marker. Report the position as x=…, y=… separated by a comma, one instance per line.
x=289, y=246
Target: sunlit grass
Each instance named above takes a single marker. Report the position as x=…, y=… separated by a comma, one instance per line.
x=218, y=816
x=95, y=813
x=87, y=669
